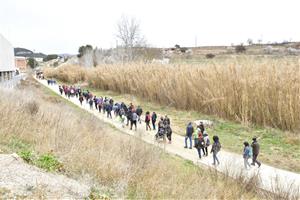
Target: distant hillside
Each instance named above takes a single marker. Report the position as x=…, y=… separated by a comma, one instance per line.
x=28, y=53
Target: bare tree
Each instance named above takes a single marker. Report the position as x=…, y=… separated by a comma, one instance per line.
x=250, y=41
x=129, y=32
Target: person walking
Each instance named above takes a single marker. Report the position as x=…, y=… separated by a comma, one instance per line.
x=100, y=104
x=196, y=141
x=216, y=147
x=161, y=123
x=201, y=144
x=246, y=154
x=60, y=90
x=147, y=120
x=206, y=142
x=128, y=116
x=202, y=128
x=139, y=112
x=255, y=149
x=189, y=133
x=168, y=131
x=108, y=110
x=153, y=119
x=81, y=99
x=122, y=117
x=96, y=102
x=167, y=120
x=133, y=121
x=91, y=103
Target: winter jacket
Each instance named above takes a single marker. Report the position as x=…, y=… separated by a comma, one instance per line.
x=189, y=130
x=139, y=111
x=246, y=153
x=154, y=117
x=255, y=148
x=216, y=147
x=147, y=118
x=134, y=116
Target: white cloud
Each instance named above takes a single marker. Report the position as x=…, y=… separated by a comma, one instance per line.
x=54, y=26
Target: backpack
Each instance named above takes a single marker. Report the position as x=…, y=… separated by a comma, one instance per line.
x=218, y=146
x=207, y=142
x=250, y=152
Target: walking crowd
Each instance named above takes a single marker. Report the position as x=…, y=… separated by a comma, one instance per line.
x=130, y=115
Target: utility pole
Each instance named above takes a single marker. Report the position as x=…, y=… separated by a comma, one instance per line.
x=196, y=41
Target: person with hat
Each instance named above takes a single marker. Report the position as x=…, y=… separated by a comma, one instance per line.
x=255, y=150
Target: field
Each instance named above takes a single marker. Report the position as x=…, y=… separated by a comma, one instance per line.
x=36, y=120
x=246, y=99
x=259, y=91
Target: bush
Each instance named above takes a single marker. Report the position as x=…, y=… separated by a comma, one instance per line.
x=48, y=162
x=183, y=49
x=210, y=55
x=55, y=64
x=27, y=156
x=32, y=107
x=50, y=57
x=177, y=46
x=31, y=62
x=240, y=48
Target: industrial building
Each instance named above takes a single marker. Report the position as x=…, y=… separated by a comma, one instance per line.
x=21, y=63
x=7, y=60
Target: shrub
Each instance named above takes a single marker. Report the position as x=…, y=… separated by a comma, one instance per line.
x=177, y=46
x=27, y=156
x=210, y=55
x=183, y=49
x=32, y=63
x=50, y=57
x=240, y=48
x=32, y=107
x=49, y=162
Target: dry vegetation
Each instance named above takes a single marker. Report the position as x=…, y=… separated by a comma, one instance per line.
x=87, y=147
x=248, y=90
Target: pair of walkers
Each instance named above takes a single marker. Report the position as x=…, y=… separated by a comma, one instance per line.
x=251, y=151
x=201, y=142
x=164, y=129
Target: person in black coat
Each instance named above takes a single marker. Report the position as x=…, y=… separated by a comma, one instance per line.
x=255, y=150
x=153, y=119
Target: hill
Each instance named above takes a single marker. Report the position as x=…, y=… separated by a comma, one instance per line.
x=28, y=53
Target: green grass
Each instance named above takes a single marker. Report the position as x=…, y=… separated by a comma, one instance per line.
x=47, y=161
x=98, y=194
x=278, y=148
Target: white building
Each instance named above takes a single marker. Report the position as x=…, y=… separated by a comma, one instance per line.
x=7, y=59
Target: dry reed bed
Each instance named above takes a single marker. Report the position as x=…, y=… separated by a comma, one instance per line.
x=129, y=166
x=264, y=92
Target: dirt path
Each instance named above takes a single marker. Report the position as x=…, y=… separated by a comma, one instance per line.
x=271, y=178
x=20, y=179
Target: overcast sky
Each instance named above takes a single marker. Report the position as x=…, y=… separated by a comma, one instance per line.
x=61, y=26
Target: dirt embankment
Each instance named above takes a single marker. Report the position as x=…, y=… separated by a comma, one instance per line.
x=18, y=179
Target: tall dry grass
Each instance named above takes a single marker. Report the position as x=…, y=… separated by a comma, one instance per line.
x=87, y=147
x=249, y=90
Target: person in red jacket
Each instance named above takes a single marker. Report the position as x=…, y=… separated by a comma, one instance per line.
x=147, y=120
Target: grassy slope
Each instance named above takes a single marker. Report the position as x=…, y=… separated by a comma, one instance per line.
x=285, y=146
